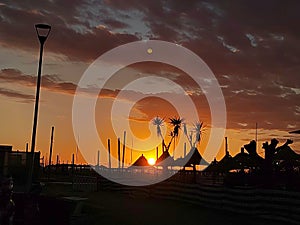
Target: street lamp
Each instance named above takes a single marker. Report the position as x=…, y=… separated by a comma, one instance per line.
x=42, y=31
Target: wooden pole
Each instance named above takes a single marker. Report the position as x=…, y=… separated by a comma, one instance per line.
x=73, y=163
x=98, y=159
x=124, y=145
x=73, y=159
x=256, y=134
x=26, y=147
x=131, y=152
x=51, y=146
x=119, y=154
x=174, y=148
x=57, y=162
x=184, y=150
x=109, y=159
x=226, y=146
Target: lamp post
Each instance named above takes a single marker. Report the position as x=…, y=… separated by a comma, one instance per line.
x=42, y=31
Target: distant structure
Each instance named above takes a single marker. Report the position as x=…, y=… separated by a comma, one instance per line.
x=14, y=163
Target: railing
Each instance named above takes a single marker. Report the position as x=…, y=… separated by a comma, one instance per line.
x=85, y=183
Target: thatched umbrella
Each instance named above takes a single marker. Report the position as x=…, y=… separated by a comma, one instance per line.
x=195, y=158
x=244, y=160
x=286, y=158
x=141, y=161
x=295, y=132
x=224, y=165
x=213, y=166
x=165, y=159
x=191, y=159
x=286, y=153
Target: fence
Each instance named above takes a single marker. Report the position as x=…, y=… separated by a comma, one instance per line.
x=208, y=191
x=275, y=205
x=85, y=183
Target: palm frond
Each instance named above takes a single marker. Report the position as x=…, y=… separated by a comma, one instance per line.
x=198, y=126
x=176, y=123
x=185, y=129
x=158, y=122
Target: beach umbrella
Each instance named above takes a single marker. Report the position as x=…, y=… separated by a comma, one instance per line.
x=195, y=158
x=212, y=167
x=295, y=132
x=286, y=153
x=245, y=160
x=141, y=161
x=165, y=159
x=227, y=163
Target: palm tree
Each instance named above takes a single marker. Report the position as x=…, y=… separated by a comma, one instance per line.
x=198, y=128
x=176, y=123
x=158, y=122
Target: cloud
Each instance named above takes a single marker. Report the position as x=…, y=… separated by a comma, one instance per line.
x=49, y=82
x=25, y=98
x=69, y=36
x=253, y=47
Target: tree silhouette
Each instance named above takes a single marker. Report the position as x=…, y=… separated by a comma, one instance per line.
x=158, y=122
x=198, y=127
x=176, y=123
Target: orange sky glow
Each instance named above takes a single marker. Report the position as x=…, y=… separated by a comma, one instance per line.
x=255, y=61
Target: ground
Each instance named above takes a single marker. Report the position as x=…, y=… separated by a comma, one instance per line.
x=113, y=208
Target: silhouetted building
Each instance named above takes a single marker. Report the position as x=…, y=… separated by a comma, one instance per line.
x=14, y=163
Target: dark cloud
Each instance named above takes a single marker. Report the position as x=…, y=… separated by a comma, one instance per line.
x=77, y=41
x=115, y=23
x=251, y=46
x=49, y=82
x=25, y=98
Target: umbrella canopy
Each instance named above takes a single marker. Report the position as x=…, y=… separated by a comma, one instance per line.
x=245, y=160
x=286, y=153
x=141, y=161
x=226, y=164
x=195, y=158
x=165, y=159
x=213, y=166
x=295, y=132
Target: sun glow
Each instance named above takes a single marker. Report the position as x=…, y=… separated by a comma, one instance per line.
x=151, y=161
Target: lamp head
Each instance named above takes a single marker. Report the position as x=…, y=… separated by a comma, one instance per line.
x=42, y=31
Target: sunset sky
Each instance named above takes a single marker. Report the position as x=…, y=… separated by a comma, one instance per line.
x=252, y=47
